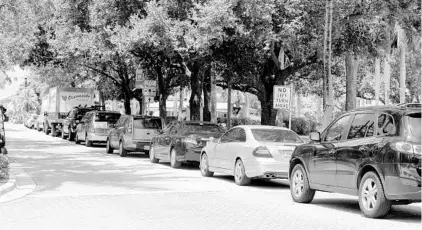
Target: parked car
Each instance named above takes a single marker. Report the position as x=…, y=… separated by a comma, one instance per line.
x=133, y=133
x=373, y=153
x=250, y=152
x=95, y=126
x=181, y=141
x=30, y=121
x=69, y=124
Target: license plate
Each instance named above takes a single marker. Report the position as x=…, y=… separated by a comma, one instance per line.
x=146, y=147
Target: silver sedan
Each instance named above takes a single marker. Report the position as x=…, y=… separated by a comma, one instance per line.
x=249, y=152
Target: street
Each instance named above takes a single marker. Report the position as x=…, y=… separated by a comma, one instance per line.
x=76, y=187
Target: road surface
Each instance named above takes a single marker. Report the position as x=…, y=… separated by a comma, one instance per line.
x=76, y=187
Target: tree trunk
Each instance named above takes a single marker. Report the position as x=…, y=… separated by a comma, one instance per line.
x=351, y=79
x=181, y=95
x=377, y=80
x=325, y=78
x=162, y=92
x=387, y=80
x=213, y=99
x=207, y=102
x=229, y=105
x=268, y=114
x=246, y=106
x=195, y=97
x=206, y=85
x=328, y=99
x=126, y=104
x=402, y=45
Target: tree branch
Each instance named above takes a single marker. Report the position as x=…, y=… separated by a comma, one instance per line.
x=103, y=73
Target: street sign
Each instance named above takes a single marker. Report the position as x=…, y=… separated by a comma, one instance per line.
x=150, y=83
x=139, y=78
x=149, y=91
x=282, y=97
x=149, y=99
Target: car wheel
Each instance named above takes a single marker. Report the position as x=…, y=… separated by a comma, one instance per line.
x=88, y=142
x=239, y=174
x=46, y=129
x=109, y=149
x=204, y=166
x=372, y=201
x=152, y=158
x=53, y=131
x=77, y=141
x=173, y=159
x=299, y=185
x=63, y=135
x=72, y=134
x=122, y=151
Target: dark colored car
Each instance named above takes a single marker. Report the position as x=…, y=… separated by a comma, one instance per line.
x=95, y=126
x=73, y=118
x=133, y=133
x=372, y=152
x=182, y=141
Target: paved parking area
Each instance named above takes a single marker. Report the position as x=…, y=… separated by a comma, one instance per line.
x=76, y=187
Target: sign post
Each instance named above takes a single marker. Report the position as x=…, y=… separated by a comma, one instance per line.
x=282, y=96
x=149, y=90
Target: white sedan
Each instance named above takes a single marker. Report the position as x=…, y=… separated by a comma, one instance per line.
x=250, y=151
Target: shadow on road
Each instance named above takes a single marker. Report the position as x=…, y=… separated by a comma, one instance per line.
x=258, y=183
x=410, y=214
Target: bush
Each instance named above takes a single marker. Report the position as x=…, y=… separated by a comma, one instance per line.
x=4, y=168
x=301, y=126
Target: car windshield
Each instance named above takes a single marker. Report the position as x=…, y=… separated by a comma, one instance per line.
x=415, y=125
x=276, y=135
x=203, y=128
x=147, y=123
x=108, y=117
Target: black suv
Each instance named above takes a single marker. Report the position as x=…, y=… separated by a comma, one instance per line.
x=73, y=118
x=371, y=152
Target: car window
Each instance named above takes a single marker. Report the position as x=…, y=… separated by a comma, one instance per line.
x=106, y=117
x=147, y=123
x=362, y=126
x=276, y=135
x=414, y=126
x=202, y=128
x=229, y=136
x=240, y=135
x=386, y=125
x=335, y=132
x=168, y=127
x=173, y=129
x=120, y=122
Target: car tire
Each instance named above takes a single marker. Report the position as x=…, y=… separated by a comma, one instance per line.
x=240, y=177
x=173, y=159
x=53, y=131
x=77, y=141
x=88, y=142
x=72, y=134
x=122, y=151
x=109, y=149
x=204, y=166
x=300, y=190
x=372, y=200
x=64, y=137
x=152, y=158
x=46, y=129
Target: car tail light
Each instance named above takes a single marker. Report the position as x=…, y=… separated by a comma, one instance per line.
x=406, y=147
x=262, y=151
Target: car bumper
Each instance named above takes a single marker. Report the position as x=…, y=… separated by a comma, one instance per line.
x=143, y=146
x=97, y=137
x=266, y=168
x=398, y=188
x=191, y=155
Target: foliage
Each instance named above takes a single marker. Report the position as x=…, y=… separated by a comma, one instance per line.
x=301, y=126
x=4, y=168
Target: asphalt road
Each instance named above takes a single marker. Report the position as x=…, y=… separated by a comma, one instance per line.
x=76, y=187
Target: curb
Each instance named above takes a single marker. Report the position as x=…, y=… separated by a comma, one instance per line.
x=9, y=186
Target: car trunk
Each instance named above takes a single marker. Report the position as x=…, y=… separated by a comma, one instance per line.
x=279, y=150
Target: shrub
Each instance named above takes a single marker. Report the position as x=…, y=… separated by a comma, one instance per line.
x=301, y=126
x=4, y=168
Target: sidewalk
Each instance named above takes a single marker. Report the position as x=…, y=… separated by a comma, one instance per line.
x=19, y=184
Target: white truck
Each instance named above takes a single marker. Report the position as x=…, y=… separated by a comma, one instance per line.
x=59, y=102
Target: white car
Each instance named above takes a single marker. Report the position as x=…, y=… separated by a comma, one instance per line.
x=250, y=151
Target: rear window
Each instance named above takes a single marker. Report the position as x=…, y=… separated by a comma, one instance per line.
x=108, y=117
x=146, y=123
x=276, y=135
x=204, y=128
x=414, y=121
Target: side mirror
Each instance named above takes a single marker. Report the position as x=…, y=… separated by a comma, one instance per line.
x=315, y=136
